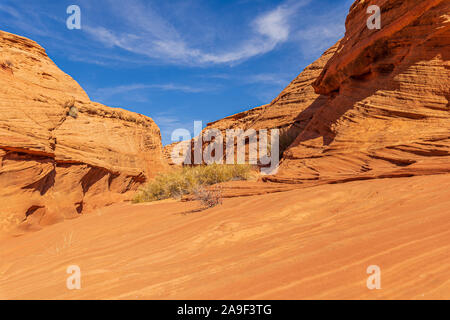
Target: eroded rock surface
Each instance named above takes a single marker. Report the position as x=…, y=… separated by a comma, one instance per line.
x=60, y=153
x=387, y=112
x=375, y=105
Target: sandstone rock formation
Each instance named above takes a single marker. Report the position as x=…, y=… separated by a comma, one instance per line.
x=374, y=105
x=388, y=111
x=60, y=153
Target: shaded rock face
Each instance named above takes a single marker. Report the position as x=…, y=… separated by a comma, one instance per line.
x=387, y=113
x=60, y=153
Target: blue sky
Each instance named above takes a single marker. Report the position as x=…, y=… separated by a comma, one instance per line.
x=180, y=61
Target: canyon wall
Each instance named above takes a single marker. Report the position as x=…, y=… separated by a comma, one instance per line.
x=60, y=153
x=387, y=112
x=374, y=105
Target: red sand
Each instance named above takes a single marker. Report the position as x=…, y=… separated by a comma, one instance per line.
x=313, y=243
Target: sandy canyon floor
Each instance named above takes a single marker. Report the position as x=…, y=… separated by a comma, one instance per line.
x=311, y=243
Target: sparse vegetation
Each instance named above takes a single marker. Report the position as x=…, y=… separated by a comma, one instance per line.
x=208, y=197
x=72, y=111
x=189, y=180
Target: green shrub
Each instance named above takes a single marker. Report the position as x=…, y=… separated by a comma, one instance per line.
x=73, y=112
x=187, y=180
x=71, y=109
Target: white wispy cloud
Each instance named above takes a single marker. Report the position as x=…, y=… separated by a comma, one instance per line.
x=105, y=93
x=322, y=30
x=152, y=36
x=24, y=18
x=272, y=79
x=274, y=24
x=149, y=35
x=10, y=11
x=268, y=78
x=315, y=40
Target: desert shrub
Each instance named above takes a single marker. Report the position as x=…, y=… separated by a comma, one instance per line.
x=72, y=111
x=208, y=197
x=188, y=180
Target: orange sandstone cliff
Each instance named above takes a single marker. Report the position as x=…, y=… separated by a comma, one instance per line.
x=388, y=111
x=60, y=153
x=379, y=107
x=374, y=105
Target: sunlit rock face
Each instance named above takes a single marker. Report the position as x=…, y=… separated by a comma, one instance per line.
x=60, y=153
